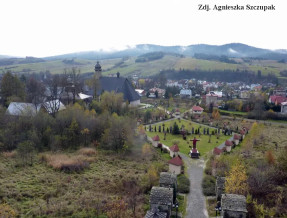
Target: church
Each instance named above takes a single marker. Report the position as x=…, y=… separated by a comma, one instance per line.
x=117, y=84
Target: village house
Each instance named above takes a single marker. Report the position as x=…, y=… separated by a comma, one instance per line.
x=141, y=92
x=168, y=180
x=244, y=94
x=160, y=92
x=175, y=165
x=284, y=107
x=277, y=99
x=161, y=198
x=280, y=92
x=236, y=139
x=185, y=93
x=219, y=187
x=155, y=141
x=242, y=133
x=217, y=151
x=196, y=110
x=233, y=205
x=29, y=109
x=228, y=145
x=211, y=99
x=174, y=150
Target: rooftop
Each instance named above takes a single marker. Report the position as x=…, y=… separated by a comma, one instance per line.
x=161, y=195
x=233, y=202
x=155, y=138
x=228, y=143
x=236, y=137
x=167, y=178
x=197, y=108
x=217, y=151
x=176, y=161
x=174, y=148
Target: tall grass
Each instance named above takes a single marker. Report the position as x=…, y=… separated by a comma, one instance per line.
x=67, y=163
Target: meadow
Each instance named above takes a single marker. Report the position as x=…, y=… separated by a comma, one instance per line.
x=127, y=66
x=44, y=190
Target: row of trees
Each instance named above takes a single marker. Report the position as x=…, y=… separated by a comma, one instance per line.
x=70, y=128
x=32, y=89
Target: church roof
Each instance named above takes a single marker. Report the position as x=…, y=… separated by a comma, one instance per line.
x=119, y=85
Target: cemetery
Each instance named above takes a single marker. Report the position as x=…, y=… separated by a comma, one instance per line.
x=182, y=132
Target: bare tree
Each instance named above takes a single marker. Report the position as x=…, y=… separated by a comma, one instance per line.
x=35, y=92
x=55, y=88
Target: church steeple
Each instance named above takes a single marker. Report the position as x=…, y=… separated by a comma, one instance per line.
x=98, y=69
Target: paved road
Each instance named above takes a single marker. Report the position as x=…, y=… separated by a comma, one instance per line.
x=196, y=207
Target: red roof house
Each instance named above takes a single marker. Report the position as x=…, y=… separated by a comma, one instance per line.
x=236, y=137
x=175, y=165
x=174, y=148
x=155, y=141
x=217, y=151
x=177, y=161
x=228, y=143
x=277, y=99
x=196, y=110
x=155, y=138
x=242, y=132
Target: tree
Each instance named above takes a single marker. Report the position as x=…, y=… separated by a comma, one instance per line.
x=175, y=129
x=118, y=136
x=35, y=92
x=215, y=114
x=85, y=132
x=11, y=86
x=156, y=94
x=56, y=86
x=112, y=102
x=74, y=84
x=236, y=180
x=141, y=83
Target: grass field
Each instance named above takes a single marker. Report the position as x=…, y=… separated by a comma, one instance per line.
x=41, y=191
x=128, y=66
x=203, y=146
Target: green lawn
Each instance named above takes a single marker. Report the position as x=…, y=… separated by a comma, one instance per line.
x=203, y=146
x=234, y=112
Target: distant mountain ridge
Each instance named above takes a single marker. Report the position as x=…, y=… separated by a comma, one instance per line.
x=237, y=50
x=230, y=50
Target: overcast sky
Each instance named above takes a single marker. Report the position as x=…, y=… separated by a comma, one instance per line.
x=50, y=27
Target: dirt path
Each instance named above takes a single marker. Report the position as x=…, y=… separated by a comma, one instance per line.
x=196, y=206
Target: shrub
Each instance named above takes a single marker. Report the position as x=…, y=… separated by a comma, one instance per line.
x=183, y=184
x=208, y=185
x=65, y=163
x=87, y=151
x=6, y=211
x=9, y=154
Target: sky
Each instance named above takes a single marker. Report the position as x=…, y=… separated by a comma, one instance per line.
x=42, y=28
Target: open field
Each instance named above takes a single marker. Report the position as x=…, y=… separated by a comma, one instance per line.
x=41, y=190
x=128, y=66
x=203, y=146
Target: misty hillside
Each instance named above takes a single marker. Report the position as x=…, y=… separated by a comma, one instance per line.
x=229, y=50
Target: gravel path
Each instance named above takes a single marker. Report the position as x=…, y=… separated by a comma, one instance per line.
x=196, y=207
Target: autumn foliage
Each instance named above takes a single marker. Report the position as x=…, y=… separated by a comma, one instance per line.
x=236, y=180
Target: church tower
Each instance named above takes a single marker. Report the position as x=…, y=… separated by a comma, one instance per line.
x=98, y=69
